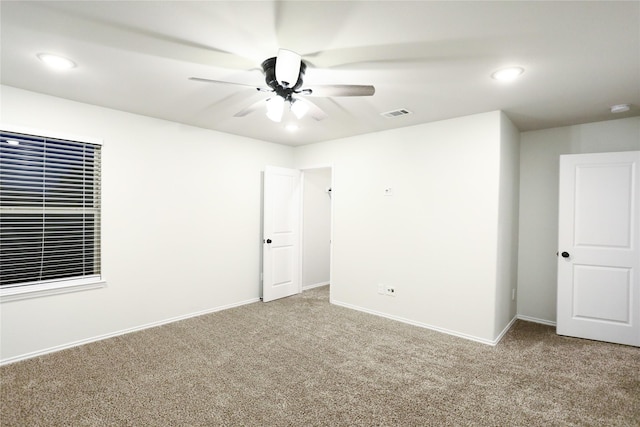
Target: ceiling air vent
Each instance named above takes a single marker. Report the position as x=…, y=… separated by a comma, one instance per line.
x=396, y=113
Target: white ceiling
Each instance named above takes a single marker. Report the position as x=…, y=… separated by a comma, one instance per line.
x=432, y=58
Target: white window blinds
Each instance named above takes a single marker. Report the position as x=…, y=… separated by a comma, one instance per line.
x=49, y=209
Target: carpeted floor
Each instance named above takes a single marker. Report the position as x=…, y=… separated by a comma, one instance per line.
x=300, y=361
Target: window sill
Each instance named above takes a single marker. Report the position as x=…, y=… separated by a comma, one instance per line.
x=47, y=289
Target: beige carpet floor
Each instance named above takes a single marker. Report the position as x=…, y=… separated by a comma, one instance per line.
x=303, y=362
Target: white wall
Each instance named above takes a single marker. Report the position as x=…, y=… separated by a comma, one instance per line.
x=316, y=222
x=538, y=229
x=436, y=238
x=181, y=221
x=181, y=224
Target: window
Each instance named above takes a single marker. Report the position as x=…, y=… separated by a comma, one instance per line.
x=49, y=212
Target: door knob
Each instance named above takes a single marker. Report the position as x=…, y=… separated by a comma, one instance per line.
x=565, y=254
x=268, y=241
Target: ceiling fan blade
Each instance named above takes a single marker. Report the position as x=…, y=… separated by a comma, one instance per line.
x=105, y=27
x=198, y=79
x=315, y=112
x=287, y=67
x=339, y=90
x=261, y=104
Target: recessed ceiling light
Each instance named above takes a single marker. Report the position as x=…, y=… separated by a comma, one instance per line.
x=291, y=128
x=507, y=74
x=55, y=61
x=620, y=108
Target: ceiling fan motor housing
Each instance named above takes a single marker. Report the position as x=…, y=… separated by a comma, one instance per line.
x=269, y=69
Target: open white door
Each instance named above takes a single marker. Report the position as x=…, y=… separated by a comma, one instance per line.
x=281, y=240
x=599, y=258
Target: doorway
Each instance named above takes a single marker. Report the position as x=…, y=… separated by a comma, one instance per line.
x=316, y=227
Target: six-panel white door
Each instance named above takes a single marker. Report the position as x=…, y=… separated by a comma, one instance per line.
x=598, y=236
x=281, y=240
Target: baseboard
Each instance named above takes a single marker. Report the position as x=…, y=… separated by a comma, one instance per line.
x=536, y=320
x=315, y=285
x=425, y=325
x=122, y=332
x=226, y=307
x=505, y=330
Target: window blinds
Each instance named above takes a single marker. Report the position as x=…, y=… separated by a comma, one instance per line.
x=49, y=209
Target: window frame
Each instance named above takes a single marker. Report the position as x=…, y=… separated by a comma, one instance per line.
x=55, y=286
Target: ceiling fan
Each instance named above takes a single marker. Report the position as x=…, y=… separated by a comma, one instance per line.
x=284, y=76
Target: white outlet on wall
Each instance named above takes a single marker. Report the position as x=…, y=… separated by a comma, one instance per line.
x=381, y=289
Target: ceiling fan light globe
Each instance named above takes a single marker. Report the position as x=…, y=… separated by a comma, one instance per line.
x=287, y=67
x=299, y=108
x=275, y=108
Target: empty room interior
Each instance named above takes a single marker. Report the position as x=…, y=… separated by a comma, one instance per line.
x=464, y=170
